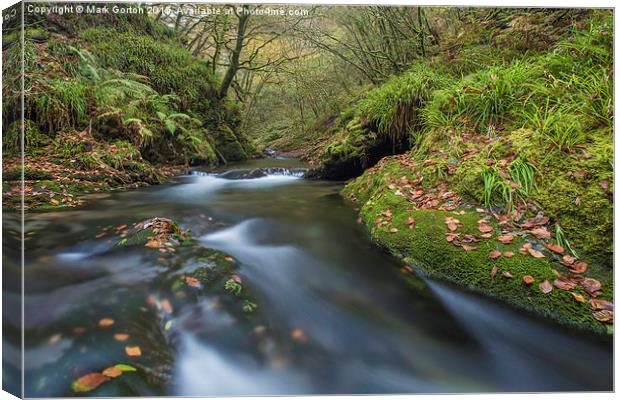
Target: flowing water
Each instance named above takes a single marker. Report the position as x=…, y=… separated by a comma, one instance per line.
x=334, y=312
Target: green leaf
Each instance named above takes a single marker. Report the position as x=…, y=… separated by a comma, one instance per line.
x=125, y=368
x=168, y=326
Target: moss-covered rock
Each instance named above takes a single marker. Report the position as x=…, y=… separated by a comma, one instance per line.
x=425, y=246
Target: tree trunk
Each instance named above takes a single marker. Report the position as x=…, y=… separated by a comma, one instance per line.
x=234, y=59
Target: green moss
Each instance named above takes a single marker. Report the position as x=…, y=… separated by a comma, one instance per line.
x=427, y=249
x=137, y=238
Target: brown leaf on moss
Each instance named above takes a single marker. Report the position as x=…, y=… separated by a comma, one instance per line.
x=166, y=306
x=154, y=244
x=564, y=284
x=528, y=279
x=452, y=223
x=591, y=285
x=567, y=260
x=493, y=271
x=600, y=304
x=451, y=236
x=535, y=253
x=579, y=267
x=494, y=254
x=545, y=286
x=467, y=247
x=484, y=228
x=410, y=222
x=578, y=297
x=393, y=230
x=505, y=239
x=486, y=235
x=556, y=248
x=508, y=254
x=541, y=233
x=605, y=316
x=507, y=274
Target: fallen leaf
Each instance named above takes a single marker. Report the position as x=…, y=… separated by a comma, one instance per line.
x=535, y=253
x=166, y=306
x=508, y=254
x=564, y=284
x=228, y=258
x=604, y=316
x=541, y=233
x=410, y=222
x=579, y=267
x=105, y=322
x=556, y=248
x=152, y=244
x=125, y=368
x=545, y=286
x=121, y=337
x=54, y=338
x=236, y=278
x=495, y=254
x=568, y=260
x=451, y=236
x=505, y=239
x=88, y=382
x=299, y=336
x=133, y=351
x=528, y=279
x=467, y=247
x=600, y=304
x=507, y=274
x=486, y=236
x=484, y=228
x=493, y=271
x=191, y=281
x=393, y=230
x=591, y=285
x=578, y=297
x=112, y=372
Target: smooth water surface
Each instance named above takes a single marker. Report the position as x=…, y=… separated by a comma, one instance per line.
x=334, y=312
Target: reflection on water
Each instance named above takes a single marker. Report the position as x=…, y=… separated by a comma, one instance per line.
x=313, y=273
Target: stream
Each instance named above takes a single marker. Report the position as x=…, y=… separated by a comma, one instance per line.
x=334, y=314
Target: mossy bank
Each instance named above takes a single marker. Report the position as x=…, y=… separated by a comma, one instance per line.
x=111, y=101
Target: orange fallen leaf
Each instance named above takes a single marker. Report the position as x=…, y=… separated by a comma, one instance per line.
x=591, y=285
x=299, y=336
x=112, y=372
x=191, y=281
x=121, y=337
x=393, y=230
x=133, y=351
x=541, y=233
x=88, y=382
x=493, y=271
x=166, y=306
x=228, y=258
x=604, y=316
x=556, y=248
x=600, y=304
x=505, y=239
x=508, y=254
x=528, y=279
x=568, y=260
x=484, y=228
x=535, y=253
x=495, y=254
x=579, y=267
x=105, y=322
x=54, y=338
x=410, y=221
x=564, y=284
x=578, y=297
x=467, y=247
x=153, y=244
x=545, y=286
